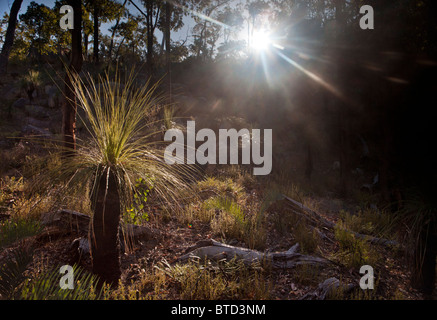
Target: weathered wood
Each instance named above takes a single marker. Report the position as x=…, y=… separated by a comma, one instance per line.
x=214, y=250
x=9, y=37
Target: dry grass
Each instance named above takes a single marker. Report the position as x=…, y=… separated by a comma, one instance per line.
x=196, y=280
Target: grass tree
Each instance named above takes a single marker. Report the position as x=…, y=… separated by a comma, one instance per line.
x=113, y=156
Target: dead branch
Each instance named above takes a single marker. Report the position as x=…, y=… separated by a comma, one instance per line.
x=300, y=209
x=214, y=250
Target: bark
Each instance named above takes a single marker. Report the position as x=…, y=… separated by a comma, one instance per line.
x=105, y=244
x=111, y=45
x=70, y=105
x=9, y=38
x=85, y=44
x=167, y=46
x=149, y=19
x=96, y=33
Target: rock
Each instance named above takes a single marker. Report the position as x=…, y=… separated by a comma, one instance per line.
x=53, y=96
x=80, y=248
x=12, y=93
x=52, y=102
x=32, y=130
x=68, y=219
x=48, y=88
x=38, y=123
x=36, y=111
x=42, y=102
x=20, y=103
x=138, y=232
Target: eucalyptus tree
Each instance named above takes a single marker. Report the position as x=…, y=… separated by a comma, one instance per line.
x=207, y=29
x=165, y=16
x=101, y=11
x=40, y=24
x=9, y=36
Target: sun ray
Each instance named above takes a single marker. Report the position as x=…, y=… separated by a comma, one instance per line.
x=311, y=75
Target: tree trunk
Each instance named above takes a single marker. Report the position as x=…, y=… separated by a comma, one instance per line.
x=9, y=38
x=111, y=45
x=105, y=244
x=149, y=19
x=70, y=106
x=85, y=44
x=96, y=33
x=342, y=107
x=167, y=46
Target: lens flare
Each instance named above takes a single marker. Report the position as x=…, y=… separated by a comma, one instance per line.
x=261, y=40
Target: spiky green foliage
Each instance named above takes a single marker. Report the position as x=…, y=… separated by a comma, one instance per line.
x=414, y=215
x=12, y=272
x=46, y=286
x=31, y=79
x=168, y=114
x=115, y=114
x=419, y=222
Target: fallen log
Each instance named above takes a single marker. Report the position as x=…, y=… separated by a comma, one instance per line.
x=301, y=209
x=216, y=251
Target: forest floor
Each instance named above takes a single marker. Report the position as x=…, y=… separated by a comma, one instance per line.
x=232, y=208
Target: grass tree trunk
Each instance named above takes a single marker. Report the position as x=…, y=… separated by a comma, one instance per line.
x=75, y=66
x=105, y=247
x=9, y=38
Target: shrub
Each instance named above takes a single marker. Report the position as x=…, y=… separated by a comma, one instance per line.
x=354, y=252
x=307, y=239
x=46, y=286
x=232, y=223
